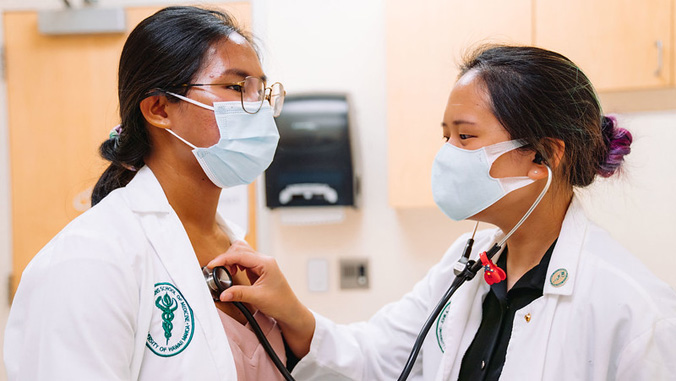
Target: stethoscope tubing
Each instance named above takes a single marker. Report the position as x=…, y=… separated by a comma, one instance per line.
x=216, y=289
x=264, y=341
x=468, y=273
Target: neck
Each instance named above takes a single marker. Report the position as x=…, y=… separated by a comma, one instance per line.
x=531, y=240
x=190, y=193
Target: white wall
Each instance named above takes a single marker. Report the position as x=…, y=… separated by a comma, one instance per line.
x=338, y=45
x=342, y=48
x=638, y=206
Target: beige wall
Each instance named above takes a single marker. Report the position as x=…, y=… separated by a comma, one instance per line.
x=338, y=45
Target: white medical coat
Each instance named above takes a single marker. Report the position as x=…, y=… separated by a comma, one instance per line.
x=118, y=294
x=602, y=316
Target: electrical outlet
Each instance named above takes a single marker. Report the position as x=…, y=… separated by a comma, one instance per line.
x=354, y=273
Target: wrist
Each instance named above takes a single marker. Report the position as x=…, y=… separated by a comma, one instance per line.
x=298, y=331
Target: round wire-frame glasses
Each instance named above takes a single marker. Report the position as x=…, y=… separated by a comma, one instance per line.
x=253, y=93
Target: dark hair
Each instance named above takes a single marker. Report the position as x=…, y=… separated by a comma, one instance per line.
x=539, y=95
x=164, y=50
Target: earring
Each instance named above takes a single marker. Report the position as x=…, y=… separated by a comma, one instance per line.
x=535, y=172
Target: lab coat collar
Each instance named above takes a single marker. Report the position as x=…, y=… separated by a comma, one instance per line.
x=148, y=193
x=563, y=266
x=166, y=234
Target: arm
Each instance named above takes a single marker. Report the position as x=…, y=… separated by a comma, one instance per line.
x=73, y=318
x=373, y=350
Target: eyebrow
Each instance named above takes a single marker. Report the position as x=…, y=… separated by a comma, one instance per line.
x=242, y=73
x=458, y=122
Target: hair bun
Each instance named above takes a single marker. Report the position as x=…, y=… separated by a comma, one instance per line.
x=618, y=140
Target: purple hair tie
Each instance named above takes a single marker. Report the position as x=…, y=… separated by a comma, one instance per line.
x=618, y=140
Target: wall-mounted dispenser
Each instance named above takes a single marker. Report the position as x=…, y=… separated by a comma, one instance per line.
x=314, y=164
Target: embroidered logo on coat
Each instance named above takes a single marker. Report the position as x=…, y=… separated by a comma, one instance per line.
x=439, y=328
x=559, y=277
x=172, y=327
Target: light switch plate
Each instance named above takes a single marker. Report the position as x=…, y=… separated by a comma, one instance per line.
x=318, y=275
x=354, y=273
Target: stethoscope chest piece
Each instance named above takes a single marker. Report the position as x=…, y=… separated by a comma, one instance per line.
x=218, y=280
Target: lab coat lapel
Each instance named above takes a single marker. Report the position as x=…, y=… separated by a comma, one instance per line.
x=563, y=267
x=462, y=324
x=532, y=334
x=172, y=245
x=525, y=357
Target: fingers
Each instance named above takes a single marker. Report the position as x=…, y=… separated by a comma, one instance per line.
x=237, y=294
x=239, y=253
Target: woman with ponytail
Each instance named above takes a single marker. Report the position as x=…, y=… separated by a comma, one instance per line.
x=120, y=293
x=559, y=300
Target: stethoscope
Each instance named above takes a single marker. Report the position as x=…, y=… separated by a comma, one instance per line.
x=465, y=269
x=218, y=280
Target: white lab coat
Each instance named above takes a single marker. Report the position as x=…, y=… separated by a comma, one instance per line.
x=99, y=300
x=608, y=319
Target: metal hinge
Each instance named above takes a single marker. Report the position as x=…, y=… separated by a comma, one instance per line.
x=3, y=63
x=10, y=285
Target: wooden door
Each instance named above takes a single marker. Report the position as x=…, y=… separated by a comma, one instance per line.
x=62, y=103
x=425, y=42
x=619, y=44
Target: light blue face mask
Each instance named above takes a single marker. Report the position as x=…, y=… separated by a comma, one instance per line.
x=246, y=147
x=462, y=185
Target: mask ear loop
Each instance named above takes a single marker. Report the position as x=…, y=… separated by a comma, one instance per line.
x=180, y=138
x=532, y=207
x=196, y=103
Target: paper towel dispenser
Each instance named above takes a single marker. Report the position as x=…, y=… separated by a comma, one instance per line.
x=314, y=164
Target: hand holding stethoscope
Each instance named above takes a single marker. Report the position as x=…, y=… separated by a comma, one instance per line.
x=269, y=292
x=218, y=280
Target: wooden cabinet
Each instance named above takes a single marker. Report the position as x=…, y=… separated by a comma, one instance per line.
x=619, y=44
x=626, y=47
x=425, y=40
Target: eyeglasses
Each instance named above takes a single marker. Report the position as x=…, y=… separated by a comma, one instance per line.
x=253, y=93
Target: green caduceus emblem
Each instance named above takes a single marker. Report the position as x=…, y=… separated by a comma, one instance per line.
x=167, y=305
x=173, y=320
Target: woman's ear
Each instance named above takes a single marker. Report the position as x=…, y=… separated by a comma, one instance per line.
x=538, y=169
x=154, y=111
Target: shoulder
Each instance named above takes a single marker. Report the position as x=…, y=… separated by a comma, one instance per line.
x=607, y=260
x=108, y=232
x=621, y=286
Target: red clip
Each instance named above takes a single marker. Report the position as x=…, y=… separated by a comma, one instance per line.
x=492, y=273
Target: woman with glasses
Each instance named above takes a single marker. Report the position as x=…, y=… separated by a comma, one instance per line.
x=559, y=299
x=119, y=294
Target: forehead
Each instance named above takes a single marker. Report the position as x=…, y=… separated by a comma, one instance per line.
x=233, y=58
x=470, y=92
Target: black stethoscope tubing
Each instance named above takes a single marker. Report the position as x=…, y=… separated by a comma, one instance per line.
x=217, y=286
x=468, y=273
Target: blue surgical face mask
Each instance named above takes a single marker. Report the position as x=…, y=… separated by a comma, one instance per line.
x=461, y=182
x=246, y=147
